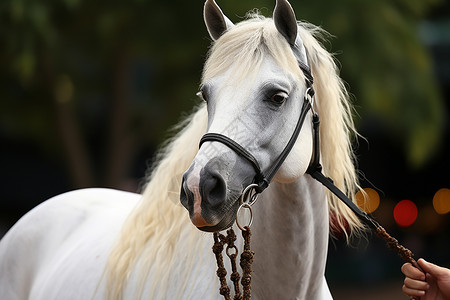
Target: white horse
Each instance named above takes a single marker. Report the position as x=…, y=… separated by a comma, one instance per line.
x=107, y=244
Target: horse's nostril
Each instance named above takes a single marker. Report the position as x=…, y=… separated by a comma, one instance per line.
x=213, y=188
x=186, y=196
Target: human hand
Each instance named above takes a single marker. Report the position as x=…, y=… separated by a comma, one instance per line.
x=434, y=286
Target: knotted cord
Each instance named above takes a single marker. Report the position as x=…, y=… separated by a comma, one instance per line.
x=246, y=261
x=402, y=251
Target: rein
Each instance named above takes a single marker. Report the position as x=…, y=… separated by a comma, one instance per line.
x=261, y=182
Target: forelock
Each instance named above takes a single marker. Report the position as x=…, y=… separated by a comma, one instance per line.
x=243, y=48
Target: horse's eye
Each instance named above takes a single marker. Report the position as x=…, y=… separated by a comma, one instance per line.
x=279, y=97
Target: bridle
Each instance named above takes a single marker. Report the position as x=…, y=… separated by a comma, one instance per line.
x=262, y=179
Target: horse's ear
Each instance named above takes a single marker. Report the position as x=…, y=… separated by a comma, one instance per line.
x=285, y=21
x=216, y=22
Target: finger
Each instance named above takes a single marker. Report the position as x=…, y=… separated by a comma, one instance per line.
x=432, y=269
x=412, y=292
x=412, y=272
x=416, y=284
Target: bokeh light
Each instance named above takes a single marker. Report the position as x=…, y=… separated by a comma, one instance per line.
x=441, y=201
x=368, y=202
x=405, y=213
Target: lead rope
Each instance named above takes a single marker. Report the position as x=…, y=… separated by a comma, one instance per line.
x=246, y=261
x=393, y=244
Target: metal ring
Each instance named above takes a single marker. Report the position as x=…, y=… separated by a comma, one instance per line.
x=247, y=194
x=244, y=205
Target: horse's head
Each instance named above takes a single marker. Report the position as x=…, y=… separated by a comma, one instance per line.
x=254, y=90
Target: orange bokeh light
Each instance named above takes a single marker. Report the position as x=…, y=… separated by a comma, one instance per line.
x=368, y=202
x=405, y=213
x=441, y=201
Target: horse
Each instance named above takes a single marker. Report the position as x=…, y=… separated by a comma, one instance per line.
x=108, y=244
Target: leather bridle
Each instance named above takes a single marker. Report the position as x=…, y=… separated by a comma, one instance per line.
x=262, y=179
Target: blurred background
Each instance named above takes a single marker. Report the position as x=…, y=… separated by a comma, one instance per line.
x=89, y=89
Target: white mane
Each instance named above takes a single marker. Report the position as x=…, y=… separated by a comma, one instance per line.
x=159, y=219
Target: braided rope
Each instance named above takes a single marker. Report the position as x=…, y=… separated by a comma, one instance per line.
x=246, y=261
x=221, y=271
x=402, y=251
x=235, y=276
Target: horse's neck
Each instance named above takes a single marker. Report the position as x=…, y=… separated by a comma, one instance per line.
x=290, y=240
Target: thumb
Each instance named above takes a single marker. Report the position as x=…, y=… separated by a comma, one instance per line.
x=432, y=269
